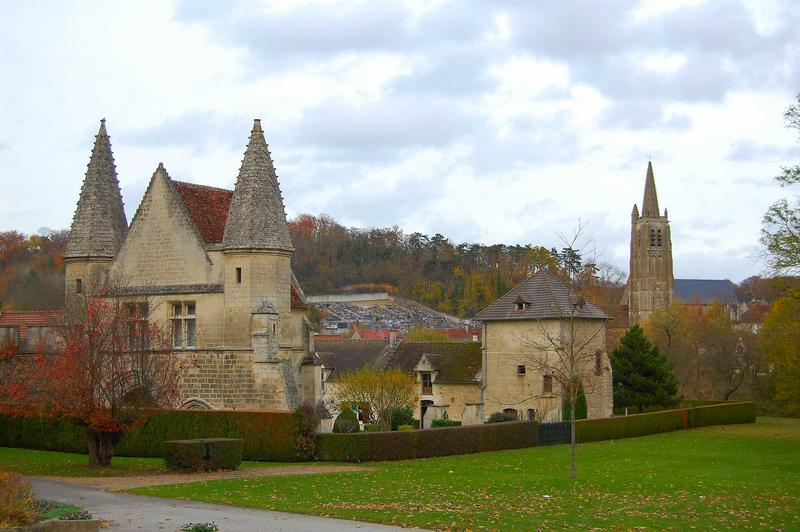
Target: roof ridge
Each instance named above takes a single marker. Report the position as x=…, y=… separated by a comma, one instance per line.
x=179, y=182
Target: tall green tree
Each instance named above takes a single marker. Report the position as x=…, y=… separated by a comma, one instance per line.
x=780, y=229
x=642, y=375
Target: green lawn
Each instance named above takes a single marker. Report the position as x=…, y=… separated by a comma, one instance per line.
x=49, y=463
x=730, y=477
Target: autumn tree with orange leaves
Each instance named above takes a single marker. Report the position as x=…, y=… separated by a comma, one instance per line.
x=106, y=368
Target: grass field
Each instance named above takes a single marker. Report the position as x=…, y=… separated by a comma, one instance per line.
x=730, y=477
x=48, y=463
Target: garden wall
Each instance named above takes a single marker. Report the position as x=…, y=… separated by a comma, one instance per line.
x=425, y=443
x=267, y=436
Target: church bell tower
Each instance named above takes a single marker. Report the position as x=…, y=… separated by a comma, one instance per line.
x=651, y=282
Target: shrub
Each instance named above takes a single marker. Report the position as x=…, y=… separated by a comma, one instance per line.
x=581, y=408
x=500, y=417
x=185, y=455
x=79, y=515
x=209, y=454
x=407, y=444
x=346, y=422
x=444, y=421
x=17, y=507
x=375, y=427
x=306, y=420
x=401, y=416
x=223, y=453
x=199, y=527
x=406, y=427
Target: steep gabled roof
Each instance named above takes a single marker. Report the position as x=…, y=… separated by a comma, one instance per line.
x=99, y=224
x=208, y=208
x=705, y=291
x=546, y=297
x=454, y=362
x=257, y=218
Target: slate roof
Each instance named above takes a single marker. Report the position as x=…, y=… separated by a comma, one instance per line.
x=705, y=291
x=348, y=355
x=99, y=224
x=208, y=207
x=455, y=362
x=547, y=298
x=257, y=218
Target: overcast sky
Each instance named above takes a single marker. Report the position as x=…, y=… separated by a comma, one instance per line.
x=484, y=121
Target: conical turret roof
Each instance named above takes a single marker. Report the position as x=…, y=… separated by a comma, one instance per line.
x=650, y=201
x=99, y=224
x=256, y=218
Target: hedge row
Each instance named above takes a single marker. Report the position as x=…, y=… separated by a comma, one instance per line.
x=652, y=423
x=425, y=443
x=269, y=436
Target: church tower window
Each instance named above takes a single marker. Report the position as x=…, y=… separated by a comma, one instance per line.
x=658, y=238
x=652, y=237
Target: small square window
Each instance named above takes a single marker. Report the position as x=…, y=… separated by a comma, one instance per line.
x=521, y=369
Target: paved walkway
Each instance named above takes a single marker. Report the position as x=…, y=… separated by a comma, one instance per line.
x=134, y=512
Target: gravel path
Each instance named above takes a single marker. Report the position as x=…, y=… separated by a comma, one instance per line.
x=135, y=513
x=138, y=481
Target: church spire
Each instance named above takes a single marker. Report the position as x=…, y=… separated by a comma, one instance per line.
x=99, y=223
x=256, y=218
x=650, y=201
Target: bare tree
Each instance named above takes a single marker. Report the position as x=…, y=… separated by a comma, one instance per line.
x=568, y=343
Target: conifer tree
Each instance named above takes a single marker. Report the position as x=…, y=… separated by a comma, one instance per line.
x=642, y=375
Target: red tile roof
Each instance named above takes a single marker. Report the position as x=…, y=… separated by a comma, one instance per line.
x=297, y=301
x=208, y=207
x=29, y=318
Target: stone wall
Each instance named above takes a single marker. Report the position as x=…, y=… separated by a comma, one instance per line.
x=230, y=379
x=514, y=343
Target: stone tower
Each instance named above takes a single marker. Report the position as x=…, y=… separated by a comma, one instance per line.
x=258, y=253
x=651, y=283
x=99, y=224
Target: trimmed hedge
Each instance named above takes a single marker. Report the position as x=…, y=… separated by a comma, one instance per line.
x=268, y=436
x=209, y=454
x=185, y=455
x=667, y=420
x=425, y=443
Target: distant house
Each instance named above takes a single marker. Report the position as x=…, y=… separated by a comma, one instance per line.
x=30, y=330
x=447, y=373
x=518, y=331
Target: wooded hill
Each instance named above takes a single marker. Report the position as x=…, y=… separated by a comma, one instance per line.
x=459, y=279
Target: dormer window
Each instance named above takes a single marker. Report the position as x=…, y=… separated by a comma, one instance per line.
x=520, y=303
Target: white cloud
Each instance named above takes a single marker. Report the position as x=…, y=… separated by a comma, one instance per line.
x=494, y=122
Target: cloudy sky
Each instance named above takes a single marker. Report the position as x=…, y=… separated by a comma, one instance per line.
x=484, y=121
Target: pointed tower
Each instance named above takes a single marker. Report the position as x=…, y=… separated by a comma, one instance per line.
x=258, y=252
x=651, y=282
x=99, y=224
